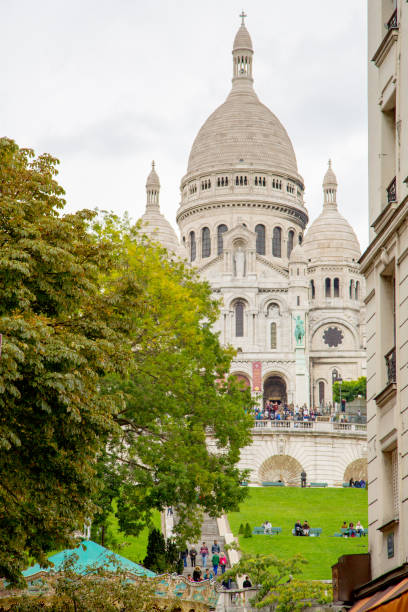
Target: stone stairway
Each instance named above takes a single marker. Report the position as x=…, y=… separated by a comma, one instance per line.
x=209, y=533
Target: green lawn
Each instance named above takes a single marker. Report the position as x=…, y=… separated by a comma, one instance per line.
x=131, y=547
x=325, y=508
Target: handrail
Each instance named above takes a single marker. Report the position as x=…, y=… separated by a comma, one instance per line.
x=315, y=426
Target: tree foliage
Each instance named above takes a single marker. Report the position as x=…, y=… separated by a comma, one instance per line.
x=350, y=389
x=278, y=582
x=58, y=341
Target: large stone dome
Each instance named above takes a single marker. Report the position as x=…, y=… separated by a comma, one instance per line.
x=242, y=130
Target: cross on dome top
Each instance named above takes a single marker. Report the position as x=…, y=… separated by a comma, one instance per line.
x=243, y=15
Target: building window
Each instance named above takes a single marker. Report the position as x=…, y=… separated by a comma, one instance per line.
x=260, y=239
x=298, y=300
x=327, y=287
x=273, y=336
x=394, y=475
x=239, y=319
x=222, y=181
x=260, y=181
x=300, y=238
x=220, y=242
x=193, y=249
x=205, y=242
x=291, y=237
x=336, y=287
x=357, y=290
x=277, y=242
x=312, y=290
x=351, y=289
x=321, y=393
x=276, y=184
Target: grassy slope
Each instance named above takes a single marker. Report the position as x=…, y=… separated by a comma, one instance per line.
x=132, y=547
x=325, y=508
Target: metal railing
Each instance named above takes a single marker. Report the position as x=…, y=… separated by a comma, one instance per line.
x=392, y=191
x=317, y=426
x=391, y=366
x=392, y=23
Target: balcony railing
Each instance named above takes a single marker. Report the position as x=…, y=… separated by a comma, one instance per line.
x=391, y=366
x=393, y=21
x=310, y=426
x=392, y=191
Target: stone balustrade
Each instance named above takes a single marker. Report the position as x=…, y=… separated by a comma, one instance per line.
x=312, y=426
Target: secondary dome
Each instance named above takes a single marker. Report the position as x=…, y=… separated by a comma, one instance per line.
x=242, y=129
x=331, y=237
x=154, y=223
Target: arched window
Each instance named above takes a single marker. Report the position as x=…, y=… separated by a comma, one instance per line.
x=312, y=290
x=220, y=244
x=239, y=319
x=321, y=393
x=193, y=249
x=277, y=242
x=300, y=238
x=335, y=375
x=273, y=336
x=357, y=290
x=205, y=242
x=291, y=236
x=260, y=239
x=351, y=289
x=237, y=180
x=327, y=287
x=336, y=287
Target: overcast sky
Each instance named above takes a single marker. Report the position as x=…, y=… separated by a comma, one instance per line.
x=107, y=86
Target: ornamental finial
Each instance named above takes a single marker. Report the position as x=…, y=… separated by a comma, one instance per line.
x=243, y=15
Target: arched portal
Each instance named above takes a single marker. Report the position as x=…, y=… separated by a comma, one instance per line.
x=275, y=390
x=357, y=470
x=242, y=378
x=280, y=467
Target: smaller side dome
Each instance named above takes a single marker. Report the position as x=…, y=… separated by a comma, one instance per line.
x=298, y=255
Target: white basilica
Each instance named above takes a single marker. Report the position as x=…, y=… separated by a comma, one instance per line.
x=291, y=299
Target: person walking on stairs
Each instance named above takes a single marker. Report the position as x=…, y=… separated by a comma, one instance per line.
x=223, y=562
x=204, y=554
x=193, y=555
x=215, y=562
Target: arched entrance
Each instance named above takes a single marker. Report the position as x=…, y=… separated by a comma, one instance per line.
x=243, y=379
x=357, y=470
x=280, y=467
x=275, y=390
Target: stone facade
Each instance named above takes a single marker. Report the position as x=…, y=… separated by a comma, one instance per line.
x=385, y=265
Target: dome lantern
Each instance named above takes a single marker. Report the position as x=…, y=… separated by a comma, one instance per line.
x=152, y=189
x=242, y=54
x=330, y=187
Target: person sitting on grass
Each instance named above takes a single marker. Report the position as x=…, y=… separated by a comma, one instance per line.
x=352, y=531
x=306, y=528
x=344, y=525
x=359, y=528
x=267, y=527
x=298, y=528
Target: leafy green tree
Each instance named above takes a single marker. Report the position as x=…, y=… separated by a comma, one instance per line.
x=247, y=531
x=278, y=583
x=350, y=389
x=155, y=559
x=59, y=338
x=241, y=529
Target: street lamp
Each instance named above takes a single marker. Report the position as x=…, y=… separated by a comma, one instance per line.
x=337, y=378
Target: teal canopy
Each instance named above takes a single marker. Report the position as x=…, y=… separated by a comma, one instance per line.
x=90, y=554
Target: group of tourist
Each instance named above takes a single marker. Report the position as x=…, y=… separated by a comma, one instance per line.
x=301, y=529
x=218, y=560
x=351, y=530
x=284, y=412
x=358, y=484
